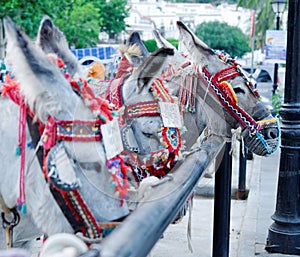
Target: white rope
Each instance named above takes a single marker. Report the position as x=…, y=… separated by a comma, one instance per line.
x=189, y=227
x=87, y=239
x=235, y=138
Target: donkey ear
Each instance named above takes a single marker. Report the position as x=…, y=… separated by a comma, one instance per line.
x=135, y=39
x=52, y=40
x=178, y=58
x=44, y=87
x=49, y=37
x=152, y=67
x=160, y=41
x=192, y=43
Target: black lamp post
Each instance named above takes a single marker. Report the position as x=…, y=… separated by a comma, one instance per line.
x=278, y=8
x=284, y=233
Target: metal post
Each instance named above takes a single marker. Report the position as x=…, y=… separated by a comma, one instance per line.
x=242, y=192
x=284, y=233
x=222, y=205
x=143, y=227
x=275, y=79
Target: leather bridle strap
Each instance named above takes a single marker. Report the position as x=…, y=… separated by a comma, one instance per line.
x=225, y=74
x=212, y=82
x=3, y=205
x=71, y=202
x=142, y=109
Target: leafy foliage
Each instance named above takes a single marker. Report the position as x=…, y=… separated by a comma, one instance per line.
x=81, y=24
x=28, y=14
x=80, y=20
x=221, y=36
x=113, y=14
x=152, y=46
x=265, y=18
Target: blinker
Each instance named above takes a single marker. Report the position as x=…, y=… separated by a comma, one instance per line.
x=228, y=92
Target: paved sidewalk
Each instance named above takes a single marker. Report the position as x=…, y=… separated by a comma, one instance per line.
x=250, y=219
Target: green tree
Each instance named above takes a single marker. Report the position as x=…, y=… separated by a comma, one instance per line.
x=265, y=18
x=80, y=20
x=80, y=23
x=28, y=14
x=152, y=46
x=221, y=36
x=113, y=14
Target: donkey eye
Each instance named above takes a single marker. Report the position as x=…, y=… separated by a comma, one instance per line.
x=148, y=135
x=239, y=90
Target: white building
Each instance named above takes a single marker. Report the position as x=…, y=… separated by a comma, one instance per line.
x=146, y=15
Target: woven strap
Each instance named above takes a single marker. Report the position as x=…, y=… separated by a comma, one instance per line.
x=147, y=108
x=226, y=74
x=77, y=130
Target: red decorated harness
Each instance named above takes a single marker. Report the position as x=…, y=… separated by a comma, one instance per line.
x=221, y=89
x=70, y=200
x=160, y=162
x=157, y=163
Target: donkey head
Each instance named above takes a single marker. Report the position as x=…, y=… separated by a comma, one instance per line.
x=234, y=96
x=137, y=90
x=75, y=156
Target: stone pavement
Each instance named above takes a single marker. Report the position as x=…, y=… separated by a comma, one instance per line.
x=250, y=219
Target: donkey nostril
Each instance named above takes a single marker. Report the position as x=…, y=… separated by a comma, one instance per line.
x=273, y=133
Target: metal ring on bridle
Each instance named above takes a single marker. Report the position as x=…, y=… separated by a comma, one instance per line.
x=10, y=223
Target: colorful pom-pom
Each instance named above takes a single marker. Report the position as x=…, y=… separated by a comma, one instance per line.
x=18, y=151
x=30, y=145
x=102, y=117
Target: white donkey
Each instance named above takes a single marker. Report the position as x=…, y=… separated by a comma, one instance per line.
x=50, y=97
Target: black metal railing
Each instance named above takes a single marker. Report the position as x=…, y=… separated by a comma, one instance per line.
x=147, y=223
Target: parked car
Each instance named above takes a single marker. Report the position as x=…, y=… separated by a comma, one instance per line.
x=263, y=77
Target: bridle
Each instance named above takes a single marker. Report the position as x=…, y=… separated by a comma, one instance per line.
x=221, y=90
x=157, y=163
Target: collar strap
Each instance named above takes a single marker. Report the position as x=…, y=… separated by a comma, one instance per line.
x=76, y=130
x=160, y=162
x=71, y=130
x=149, y=108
